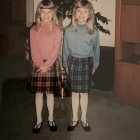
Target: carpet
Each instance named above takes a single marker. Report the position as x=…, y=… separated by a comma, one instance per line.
x=18, y=114
x=108, y=118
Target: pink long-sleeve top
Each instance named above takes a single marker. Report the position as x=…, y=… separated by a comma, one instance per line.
x=45, y=45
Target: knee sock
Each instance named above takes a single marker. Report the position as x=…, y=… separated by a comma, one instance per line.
x=84, y=105
x=38, y=106
x=50, y=106
x=75, y=106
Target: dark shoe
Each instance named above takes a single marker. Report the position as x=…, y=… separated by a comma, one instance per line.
x=71, y=127
x=85, y=126
x=52, y=126
x=36, y=128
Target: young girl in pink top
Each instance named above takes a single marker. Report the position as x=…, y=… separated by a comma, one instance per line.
x=45, y=41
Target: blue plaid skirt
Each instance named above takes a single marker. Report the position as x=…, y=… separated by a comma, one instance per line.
x=48, y=82
x=80, y=70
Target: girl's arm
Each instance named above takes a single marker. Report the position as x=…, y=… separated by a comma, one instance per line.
x=96, y=49
x=65, y=51
x=36, y=58
x=55, y=50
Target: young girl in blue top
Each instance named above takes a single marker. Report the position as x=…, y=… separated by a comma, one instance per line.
x=81, y=53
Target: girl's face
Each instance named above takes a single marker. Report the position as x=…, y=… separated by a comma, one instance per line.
x=46, y=15
x=82, y=15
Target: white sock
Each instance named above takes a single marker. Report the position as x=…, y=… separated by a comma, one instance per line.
x=50, y=106
x=84, y=105
x=38, y=106
x=75, y=106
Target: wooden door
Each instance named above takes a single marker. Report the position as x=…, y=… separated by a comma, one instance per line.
x=18, y=10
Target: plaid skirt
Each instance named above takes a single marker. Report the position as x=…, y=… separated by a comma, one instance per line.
x=79, y=73
x=48, y=82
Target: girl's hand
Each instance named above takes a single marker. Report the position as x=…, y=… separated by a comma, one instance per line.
x=36, y=69
x=93, y=71
x=43, y=69
x=67, y=71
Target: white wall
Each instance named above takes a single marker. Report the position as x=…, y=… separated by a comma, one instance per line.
x=35, y=6
x=29, y=12
x=105, y=7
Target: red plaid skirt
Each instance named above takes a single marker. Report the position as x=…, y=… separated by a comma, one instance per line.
x=49, y=82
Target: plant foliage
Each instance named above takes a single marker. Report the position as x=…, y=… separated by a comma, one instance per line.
x=64, y=9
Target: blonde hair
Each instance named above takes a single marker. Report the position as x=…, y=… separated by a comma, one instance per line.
x=45, y=4
x=90, y=22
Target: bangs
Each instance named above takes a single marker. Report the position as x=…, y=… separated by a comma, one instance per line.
x=82, y=4
x=47, y=7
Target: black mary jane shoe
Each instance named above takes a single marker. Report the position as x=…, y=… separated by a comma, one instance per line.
x=52, y=126
x=37, y=128
x=71, y=127
x=85, y=126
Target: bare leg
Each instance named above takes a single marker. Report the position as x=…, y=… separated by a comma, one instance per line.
x=75, y=106
x=84, y=105
x=50, y=106
x=39, y=105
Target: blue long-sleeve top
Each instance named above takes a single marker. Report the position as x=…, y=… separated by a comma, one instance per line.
x=81, y=44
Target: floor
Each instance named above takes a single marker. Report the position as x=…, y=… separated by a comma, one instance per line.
x=109, y=118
